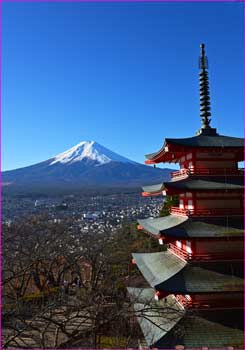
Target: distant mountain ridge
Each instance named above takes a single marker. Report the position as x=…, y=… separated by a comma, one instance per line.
x=88, y=164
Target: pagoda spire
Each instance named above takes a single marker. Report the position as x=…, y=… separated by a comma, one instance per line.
x=204, y=95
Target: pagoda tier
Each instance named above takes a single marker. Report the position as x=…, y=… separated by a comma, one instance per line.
x=198, y=238
x=166, y=323
x=202, y=301
x=194, y=184
x=168, y=273
x=182, y=227
x=205, y=196
x=199, y=150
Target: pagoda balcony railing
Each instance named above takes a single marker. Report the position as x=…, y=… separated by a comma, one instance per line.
x=207, y=172
x=219, y=256
x=206, y=211
x=206, y=303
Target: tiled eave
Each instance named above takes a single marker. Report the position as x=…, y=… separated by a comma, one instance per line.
x=161, y=323
x=166, y=272
x=197, y=184
x=184, y=227
x=173, y=149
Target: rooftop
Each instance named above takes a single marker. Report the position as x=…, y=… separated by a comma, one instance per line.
x=207, y=183
x=165, y=324
x=185, y=227
x=166, y=272
x=220, y=142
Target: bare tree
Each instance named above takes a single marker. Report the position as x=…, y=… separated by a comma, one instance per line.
x=62, y=289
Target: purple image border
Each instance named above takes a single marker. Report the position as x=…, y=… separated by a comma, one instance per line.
x=86, y=1
x=101, y=1
x=1, y=173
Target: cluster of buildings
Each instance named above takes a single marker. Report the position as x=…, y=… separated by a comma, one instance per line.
x=87, y=213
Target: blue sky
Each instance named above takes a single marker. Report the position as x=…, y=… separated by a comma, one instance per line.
x=123, y=74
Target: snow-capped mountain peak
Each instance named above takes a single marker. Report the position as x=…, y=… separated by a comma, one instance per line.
x=89, y=150
x=87, y=165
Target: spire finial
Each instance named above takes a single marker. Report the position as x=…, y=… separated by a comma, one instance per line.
x=203, y=64
x=204, y=94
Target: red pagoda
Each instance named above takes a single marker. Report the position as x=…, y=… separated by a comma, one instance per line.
x=195, y=283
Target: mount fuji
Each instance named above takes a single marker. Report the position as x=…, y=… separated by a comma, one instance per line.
x=89, y=152
x=86, y=165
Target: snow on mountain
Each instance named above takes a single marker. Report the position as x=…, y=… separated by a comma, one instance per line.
x=89, y=150
x=86, y=165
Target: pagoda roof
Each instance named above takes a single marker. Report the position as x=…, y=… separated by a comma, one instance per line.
x=154, y=189
x=207, y=141
x=167, y=272
x=158, y=267
x=165, y=324
x=200, y=183
x=207, y=183
x=185, y=227
x=159, y=316
x=203, y=141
